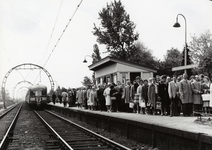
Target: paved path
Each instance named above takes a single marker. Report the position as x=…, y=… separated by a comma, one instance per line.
x=180, y=123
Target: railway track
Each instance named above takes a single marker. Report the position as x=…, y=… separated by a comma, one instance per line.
x=75, y=137
x=8, y=119
x=26, y=131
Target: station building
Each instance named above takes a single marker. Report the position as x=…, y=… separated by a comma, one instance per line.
x=110, y=69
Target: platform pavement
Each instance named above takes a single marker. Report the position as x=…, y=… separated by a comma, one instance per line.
x=175, y=122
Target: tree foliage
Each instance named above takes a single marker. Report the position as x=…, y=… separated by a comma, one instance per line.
x=96, y=54
x=87, y=82
x=116, y=30
x=173, y=58
x=201, y=52
x=96, y=57
x=142, y=55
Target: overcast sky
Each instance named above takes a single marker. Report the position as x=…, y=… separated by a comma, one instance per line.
x=26, y=27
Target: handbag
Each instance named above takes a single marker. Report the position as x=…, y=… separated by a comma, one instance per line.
x=142, y=103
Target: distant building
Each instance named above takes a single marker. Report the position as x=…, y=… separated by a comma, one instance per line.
x=110, y=69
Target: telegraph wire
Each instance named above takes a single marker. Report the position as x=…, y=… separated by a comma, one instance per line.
x=50, y=38
x=61, y=36
x=63, y=33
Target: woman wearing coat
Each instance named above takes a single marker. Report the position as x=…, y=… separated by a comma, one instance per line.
x=196, y=88
x=152, y=94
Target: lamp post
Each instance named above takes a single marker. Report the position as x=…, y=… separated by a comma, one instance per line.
x=85, y=61
x=177, y=25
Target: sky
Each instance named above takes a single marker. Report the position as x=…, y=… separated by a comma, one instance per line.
x=30, y=29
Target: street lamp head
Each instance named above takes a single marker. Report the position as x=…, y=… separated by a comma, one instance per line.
x=176, y=25
x=84, y=61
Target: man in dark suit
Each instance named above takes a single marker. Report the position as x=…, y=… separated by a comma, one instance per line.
x=163, y=95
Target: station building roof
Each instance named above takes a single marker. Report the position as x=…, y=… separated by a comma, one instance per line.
x=111, y=60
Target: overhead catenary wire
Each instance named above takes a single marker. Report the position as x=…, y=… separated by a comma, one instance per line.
x=50, y=38
x=61, y=36
x=63, y=32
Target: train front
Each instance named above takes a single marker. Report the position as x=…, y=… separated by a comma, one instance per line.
x=38, y=95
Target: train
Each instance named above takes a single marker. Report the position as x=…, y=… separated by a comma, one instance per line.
x=37, y=95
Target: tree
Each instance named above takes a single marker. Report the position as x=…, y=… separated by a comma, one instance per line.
x=87, y=82
x=96, y=57
x=116, y=30
x=142, y=55
x=173, y=58
x=200, y=51
x=96, y=54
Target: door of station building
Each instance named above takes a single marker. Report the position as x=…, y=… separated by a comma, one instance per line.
x=133, y=75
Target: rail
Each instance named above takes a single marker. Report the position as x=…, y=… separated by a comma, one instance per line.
x=8, y=110
x=64, y=143
x=4, y=140
x=101, y=138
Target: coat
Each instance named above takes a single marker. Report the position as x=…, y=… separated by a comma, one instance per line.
x=196, y=92
x=107, y=96
x=64, y=96
x=173, y=89
x=92, y=98
x=163, y=92
x=80, y=96
x=152, y=94
x=185, y=91
x=145, y=92
x=206, y=88
x=126, y=94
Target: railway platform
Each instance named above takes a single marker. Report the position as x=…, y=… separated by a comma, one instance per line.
x=163, y=132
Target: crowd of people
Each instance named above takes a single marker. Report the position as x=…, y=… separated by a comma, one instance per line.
x=162, y=95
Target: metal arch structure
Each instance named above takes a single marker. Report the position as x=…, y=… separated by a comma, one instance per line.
x=25, y=66
x=24, y=81
x=24, y=87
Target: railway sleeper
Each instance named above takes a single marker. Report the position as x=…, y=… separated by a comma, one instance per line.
x=77, y=140
x=88, y=145
x=94, y=148
x=74, y=137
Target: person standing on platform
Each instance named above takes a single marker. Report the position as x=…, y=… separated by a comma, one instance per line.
x=70, y=97
x=141, y=100
x=126, y=95
x=119, y=89
x=179, y=103
x=152, y=95
x=107, y=97
x=145, y=96
x=64, y=97
x=206, y=90
x=196, y=88
x=101, y=98
x=54, y=97
x=172, y=90
x=88, y=97
x=206, y=85
x=79, y=97
x=92, y=98
x=185, y=95
x=84, y=102
x=113, y=96
x=163, y=94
